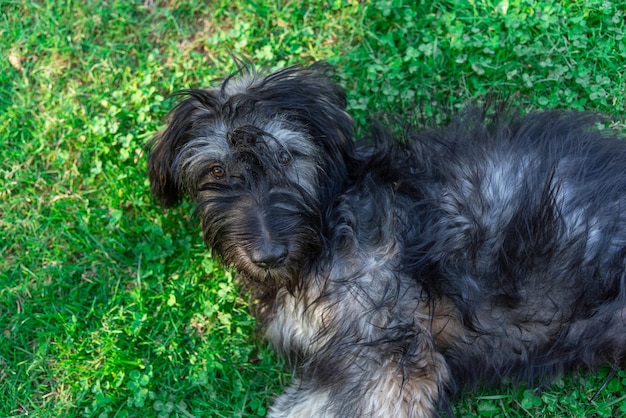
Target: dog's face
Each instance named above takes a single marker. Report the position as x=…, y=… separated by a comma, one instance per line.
x=262, y=156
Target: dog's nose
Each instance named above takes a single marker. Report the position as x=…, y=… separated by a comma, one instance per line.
x=269, y=255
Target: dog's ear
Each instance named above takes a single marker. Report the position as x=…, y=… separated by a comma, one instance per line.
x=162, y=182
x=166, y=146
x=312, y=97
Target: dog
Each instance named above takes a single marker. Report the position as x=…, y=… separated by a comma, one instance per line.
x=396, y=269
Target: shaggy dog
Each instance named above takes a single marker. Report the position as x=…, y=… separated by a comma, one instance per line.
x=394, y=271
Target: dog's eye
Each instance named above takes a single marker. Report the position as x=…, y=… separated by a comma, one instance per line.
x=218, y=171
x=284, y=157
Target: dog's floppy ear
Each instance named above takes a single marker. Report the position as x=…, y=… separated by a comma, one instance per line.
x=166, y=145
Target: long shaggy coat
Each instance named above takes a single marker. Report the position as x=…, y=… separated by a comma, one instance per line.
x=393, y=271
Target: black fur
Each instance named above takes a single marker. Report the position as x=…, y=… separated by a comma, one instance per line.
x=396, y=270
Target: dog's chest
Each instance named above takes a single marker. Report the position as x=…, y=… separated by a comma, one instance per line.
x=361, y=296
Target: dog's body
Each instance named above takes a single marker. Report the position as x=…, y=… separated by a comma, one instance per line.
x=392, y=272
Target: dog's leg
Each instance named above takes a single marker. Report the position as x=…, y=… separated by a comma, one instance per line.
x=362, y=386
x=598, y=340
x=367, y=370
x=301, y=400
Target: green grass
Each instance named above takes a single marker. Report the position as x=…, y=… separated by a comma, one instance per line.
x=110, y=307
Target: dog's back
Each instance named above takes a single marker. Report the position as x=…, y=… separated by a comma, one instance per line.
x=525, y=232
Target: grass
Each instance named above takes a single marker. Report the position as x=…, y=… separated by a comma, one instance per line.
x=110, y=307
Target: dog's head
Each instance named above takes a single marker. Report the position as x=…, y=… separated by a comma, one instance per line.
x=263, y=156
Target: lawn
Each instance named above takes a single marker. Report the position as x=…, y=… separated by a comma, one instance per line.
x=112, y=307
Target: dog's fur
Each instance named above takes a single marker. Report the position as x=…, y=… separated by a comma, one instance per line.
x=393, y=272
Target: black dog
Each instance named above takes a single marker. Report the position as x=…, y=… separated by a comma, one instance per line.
x=394, y=271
